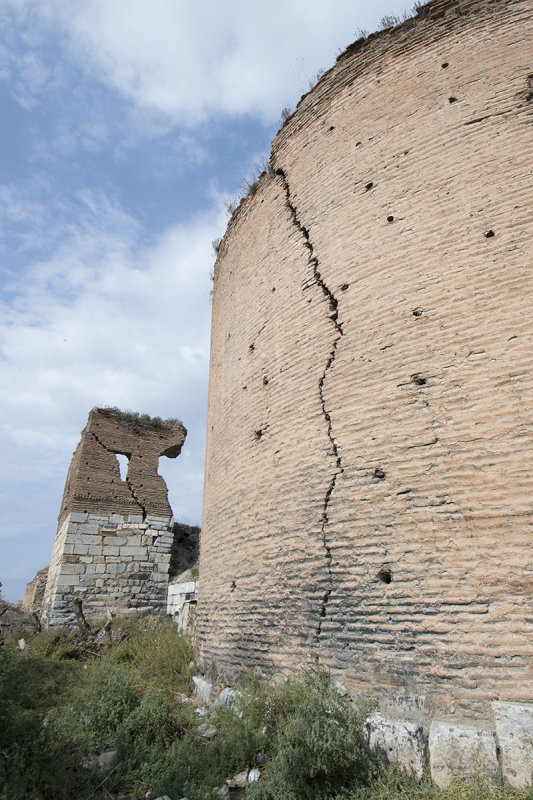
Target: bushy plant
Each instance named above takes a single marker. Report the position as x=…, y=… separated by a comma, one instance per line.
x=101, y=711
x=155, y=656
x=317, y=745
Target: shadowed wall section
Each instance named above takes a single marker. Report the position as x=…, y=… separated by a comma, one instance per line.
x=367, y=491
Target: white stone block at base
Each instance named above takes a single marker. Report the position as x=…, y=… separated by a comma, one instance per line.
x=514, y=729
x=397, y=742
x=456, y=751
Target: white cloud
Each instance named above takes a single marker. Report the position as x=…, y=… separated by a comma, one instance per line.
x=189, y=61
x=104, y=320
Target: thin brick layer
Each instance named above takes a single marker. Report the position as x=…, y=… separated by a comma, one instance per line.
x=368, y=493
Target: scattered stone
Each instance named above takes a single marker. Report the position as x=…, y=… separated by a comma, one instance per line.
x=207, y=731
x=456, y=751
x=397, y=742
x=222, y=791
x=228, y=697
x=21, y=644
x=514, y=729
x=238, y=781
x=254, y=775
x=201, y=689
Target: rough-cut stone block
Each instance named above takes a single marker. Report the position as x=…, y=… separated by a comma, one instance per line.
x=67, y=580
x=73, y=569
x=114, y=541
x=133, y=540
x=514, y=730
x=86, y=538
x=110, y=551
x=457, y=751
x=89, y=528
x=397, y=742
x=115, y=569
x=201, y=689
x=138, y=552
x=78, y=516
x=228, y=697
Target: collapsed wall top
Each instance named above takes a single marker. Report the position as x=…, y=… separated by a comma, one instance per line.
x=94, y=483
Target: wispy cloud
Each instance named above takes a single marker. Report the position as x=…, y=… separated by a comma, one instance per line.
x=191, y=61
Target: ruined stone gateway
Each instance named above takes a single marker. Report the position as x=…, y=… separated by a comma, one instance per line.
x=368, y=478
x=114, y=539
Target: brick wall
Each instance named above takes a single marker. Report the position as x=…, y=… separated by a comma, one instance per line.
x=368, y=480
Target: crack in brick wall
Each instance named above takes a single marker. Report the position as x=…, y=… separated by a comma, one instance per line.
x=127, y=480
x=333, y=317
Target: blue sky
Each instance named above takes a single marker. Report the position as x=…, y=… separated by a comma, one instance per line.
x=125, y=128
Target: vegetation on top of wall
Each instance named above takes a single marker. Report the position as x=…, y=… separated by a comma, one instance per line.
x=140, y=420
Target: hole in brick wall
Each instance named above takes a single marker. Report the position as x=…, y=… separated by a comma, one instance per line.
x=369, y=186
x=273, y=288
x=445, y=65
x=390, y=218
x=345, y=286
x=357, y=144
x=489, y=234
x=417, y=312
x=379, y=474
x=252, y=347
x=233, y=586
x=265, y=380
x=385, y=575
x=123, y=463
x=258, y=434
x=452, y=99
x=418, y=379
x=332, y=127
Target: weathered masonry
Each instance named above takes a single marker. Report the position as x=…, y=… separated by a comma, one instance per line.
x=114, y=539
x=368, y=478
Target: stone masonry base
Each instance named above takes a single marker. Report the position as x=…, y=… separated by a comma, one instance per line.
x=111, y=562
x=502, y=751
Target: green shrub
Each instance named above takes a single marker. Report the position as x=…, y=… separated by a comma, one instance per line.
x=317, y=744
x=155, y=656
x=101, y=711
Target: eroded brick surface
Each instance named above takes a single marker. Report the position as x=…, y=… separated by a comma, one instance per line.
x=94, y=483
x=368, y=484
